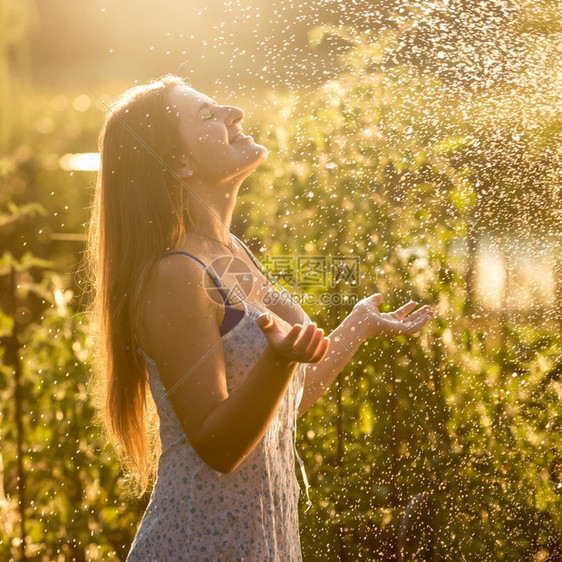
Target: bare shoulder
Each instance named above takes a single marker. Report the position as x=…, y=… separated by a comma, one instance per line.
x=182, y=336
x=176, y=272
x=175, y=295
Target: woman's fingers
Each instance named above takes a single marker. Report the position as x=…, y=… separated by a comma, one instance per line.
x=405, y=310
x=291, y=337
x=417, y=324
x=316, y=337
x=316, y=348
x=321, y=350
x=272, y=328
x=309, y=343
x=305, y=338
x=302, y=343
x=417, y=316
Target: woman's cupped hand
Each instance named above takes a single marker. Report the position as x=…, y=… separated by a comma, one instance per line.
x=298, y=343
x=372, y=322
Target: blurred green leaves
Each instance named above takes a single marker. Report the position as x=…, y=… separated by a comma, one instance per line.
x=379, y=163
x=389, y=161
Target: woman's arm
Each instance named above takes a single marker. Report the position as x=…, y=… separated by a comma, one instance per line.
x=344, y=342
x=223, y=427
x=235, y=426
x=365, y=321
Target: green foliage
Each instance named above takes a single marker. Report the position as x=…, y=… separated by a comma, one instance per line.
x=452, y=417
x=73, y=504
x=462, y=423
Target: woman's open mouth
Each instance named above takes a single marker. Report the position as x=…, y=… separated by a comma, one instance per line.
x=240, y=137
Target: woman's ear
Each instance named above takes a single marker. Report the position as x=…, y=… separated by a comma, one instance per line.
x=184, y=169
x=185, y=172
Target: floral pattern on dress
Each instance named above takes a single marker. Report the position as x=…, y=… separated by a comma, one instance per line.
x=198, y=514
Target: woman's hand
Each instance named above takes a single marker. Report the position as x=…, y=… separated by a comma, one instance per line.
x=371, y=322
x=294, y=343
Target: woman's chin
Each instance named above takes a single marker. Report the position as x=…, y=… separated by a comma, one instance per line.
x=253, y=155
x=264, y=152
x=256, y=154
x=256, y=149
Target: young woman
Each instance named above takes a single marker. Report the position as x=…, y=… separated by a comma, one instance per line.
x=228, y=375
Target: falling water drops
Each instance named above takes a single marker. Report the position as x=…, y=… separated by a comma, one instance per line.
x=423, y=139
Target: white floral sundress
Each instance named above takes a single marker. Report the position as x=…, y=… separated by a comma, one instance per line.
x=198, y=514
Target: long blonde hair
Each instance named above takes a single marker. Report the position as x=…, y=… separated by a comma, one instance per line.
x=138, y=213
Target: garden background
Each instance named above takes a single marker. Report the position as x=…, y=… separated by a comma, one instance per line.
x=419, y=140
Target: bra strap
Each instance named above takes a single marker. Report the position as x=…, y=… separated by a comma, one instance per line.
x=209, y=271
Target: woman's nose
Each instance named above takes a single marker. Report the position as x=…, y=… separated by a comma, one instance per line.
x=234, y=114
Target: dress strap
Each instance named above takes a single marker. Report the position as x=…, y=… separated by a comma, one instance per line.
x=258, y=264
x=267, y=274
x=209, y=271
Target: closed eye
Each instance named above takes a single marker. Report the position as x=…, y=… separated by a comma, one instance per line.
x=205, y=111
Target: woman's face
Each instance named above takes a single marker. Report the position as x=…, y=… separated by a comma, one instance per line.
x=216, y=149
